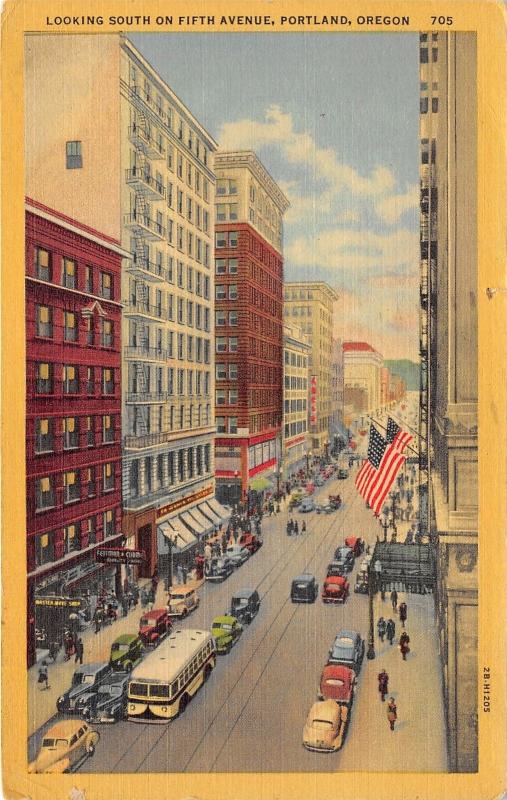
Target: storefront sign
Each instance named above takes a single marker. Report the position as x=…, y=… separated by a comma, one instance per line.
x=185, y=501
x=313, y=400
x=58, y=602
x=119, y=555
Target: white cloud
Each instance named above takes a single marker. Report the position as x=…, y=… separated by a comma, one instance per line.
x=391, y=208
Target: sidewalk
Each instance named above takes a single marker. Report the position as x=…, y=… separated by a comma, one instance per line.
x=97, y=646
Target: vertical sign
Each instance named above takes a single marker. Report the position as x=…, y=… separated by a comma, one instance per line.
x=313, y=400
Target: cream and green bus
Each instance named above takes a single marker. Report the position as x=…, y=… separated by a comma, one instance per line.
x=162, y=685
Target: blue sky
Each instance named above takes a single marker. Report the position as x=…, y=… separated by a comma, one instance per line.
x=334, y=118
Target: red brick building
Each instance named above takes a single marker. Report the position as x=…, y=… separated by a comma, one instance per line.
x=248, y=327
x=73, y=408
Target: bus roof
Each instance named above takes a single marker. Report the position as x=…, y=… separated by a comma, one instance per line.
x=171, y=656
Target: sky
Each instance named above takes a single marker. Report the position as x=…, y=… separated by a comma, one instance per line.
x=334, y=118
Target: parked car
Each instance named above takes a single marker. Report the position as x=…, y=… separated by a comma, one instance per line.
x=87, y=678
x=126, y=651
x=245, y=605
x=250, y=541
x=345, y=556
x=356, y=545
x=218, y=569
x=361, y=585
x=337, y=683
x=327, y=508
x=342, y=473
x=307, y=504
x=153, y=626
x=335, y=568
x=182, y=602
x=226, y=631
x=335, y=590
x=304, y=589
x=109, y=703
x=325, y=726
x=64, y=747
x=296, y=497
x=347, y=650
x=335, y=500
x=238, y=555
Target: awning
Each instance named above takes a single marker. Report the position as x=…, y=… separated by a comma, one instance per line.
x=175, y=530
x=260, y=484
x=222, y=512
x=203, y=521
x=192, y=523
x=208, y=512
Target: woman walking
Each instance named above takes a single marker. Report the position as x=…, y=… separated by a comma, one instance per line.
x=392, y=713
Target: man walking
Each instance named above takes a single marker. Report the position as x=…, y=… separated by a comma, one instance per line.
x=383, y=683
x=403, y=614
x=390, y=630
x=43, y=675
x=296, y=528
x=394, y=599
x=79, y=651
x=404, y=645
x=392, y=713
x=381, y=628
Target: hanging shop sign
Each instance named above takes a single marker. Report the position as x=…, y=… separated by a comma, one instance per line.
x=119, y=555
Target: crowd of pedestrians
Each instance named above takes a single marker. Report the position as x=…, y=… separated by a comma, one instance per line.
x=387, y=630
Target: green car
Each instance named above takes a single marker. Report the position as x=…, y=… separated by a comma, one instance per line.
x=126, y=651
x=226, y=631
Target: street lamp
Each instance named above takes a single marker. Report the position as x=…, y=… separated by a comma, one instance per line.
x=278, y=473
x=237, y=494
x=384, y=525
x=171, y=542
x=373, y=576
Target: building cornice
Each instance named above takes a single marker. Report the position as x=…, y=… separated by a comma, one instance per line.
x=318, y=286
x=248, y=159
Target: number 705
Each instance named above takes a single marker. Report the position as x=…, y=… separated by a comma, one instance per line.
x=441, y=20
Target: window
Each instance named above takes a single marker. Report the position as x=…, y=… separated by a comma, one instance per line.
x=70, y=541
x=69, y=326
x=220, y=291
x=233, y=318
x=220, y=266
x=233, y=344
x=434, y=104
x=44, y=378
x=44, y=322
x=107, y=429
x=233, y=372
x=180, y=345
x=107, y=333
x=233, y=424
x=220, y=397
x=233, y=238
x=423, y=105
x=43, y=265
x=74, y=157
x=233, y=397
x=70, y=433
x=170, y=158
x=88, y=280
x=108, y=523
x=423, y=55
x=220, y=424
x=108, y=477
x=90, y=380
x=89, y=481
x=90, y=433
x=68, y=273
x=233, y=266
x=44, y=548
x=180, y=166
x=220, y=371
x=190, y=348
x=220, y=318
x=45, y=493
x=107, y=381
x=44, y=441
x=90, y=329
x=221, y=344
x=106, y=285
x=91, y=529
x=70, y=486
x=70, y=379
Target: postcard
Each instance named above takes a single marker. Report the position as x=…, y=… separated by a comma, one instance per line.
x=253, y=397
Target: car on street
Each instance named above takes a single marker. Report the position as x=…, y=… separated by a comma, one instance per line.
x=342, y=473
x=325, y=726
x=304, y=589
x=306, y=505
x=87, y=678
x=250, y=541
x=126, y=651
x=335, y=568
x=237, y=554
x=218, y=569
x=334, y=500
x=356, y=544
x=182, y=602
x=109, y=703
x=226, y=631
x=319, y=480
x=153, y=626
x=337, y=683
x=335, y=590
x=65, y=746
x=326, y=508
x=344, y=555
x=245, y=605
x=362, y=579
x=347, y=650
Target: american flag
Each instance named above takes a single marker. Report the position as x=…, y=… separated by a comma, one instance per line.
x=396, y=436
x=379, y=471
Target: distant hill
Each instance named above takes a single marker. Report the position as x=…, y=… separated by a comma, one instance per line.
x=406, y=369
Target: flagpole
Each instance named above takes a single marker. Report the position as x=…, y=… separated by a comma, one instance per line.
x=407, y=446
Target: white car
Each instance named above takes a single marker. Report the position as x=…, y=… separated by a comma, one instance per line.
x=237, y=554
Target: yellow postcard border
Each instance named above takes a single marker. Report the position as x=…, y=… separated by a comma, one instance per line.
x=488, y=19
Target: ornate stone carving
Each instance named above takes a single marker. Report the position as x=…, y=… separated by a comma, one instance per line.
x=466, y=558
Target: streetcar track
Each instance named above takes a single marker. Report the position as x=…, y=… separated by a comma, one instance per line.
x=282, y=555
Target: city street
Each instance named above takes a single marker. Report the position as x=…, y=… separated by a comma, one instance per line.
x=250, y=715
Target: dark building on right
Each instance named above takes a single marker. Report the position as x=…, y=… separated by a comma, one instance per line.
x=449, y=373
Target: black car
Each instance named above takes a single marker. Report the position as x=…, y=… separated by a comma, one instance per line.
x=347, y=650
x=342, y=474
x=86, y=680
x=335, y=569
x=218, y=569
x=109, y=702
x=344, y=556
x=304, y=589
x=245, y=604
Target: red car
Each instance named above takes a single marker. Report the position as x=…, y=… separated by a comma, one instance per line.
x=356, y=545
x=337, y=683
x=250, y=542
x=336, y=589
x=153, y=626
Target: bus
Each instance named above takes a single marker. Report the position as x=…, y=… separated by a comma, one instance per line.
x=163, y=684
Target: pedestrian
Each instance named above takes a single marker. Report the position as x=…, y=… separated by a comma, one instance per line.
x=394, y=599
x=54, y=647
x=207, y=551
x=125, y=605
x=144, y=598
x=184, y=571
x=303, y=527
x=43, y=675
x=404, y=645
x=392, y=713
x=79, y=651
x=390, y=630
x=296, y=528
x=179, y=571
x=68, y=645
x=383, y=683
x=403, y=613
x=381, y=628
x=154, y=580
x=98, y=618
